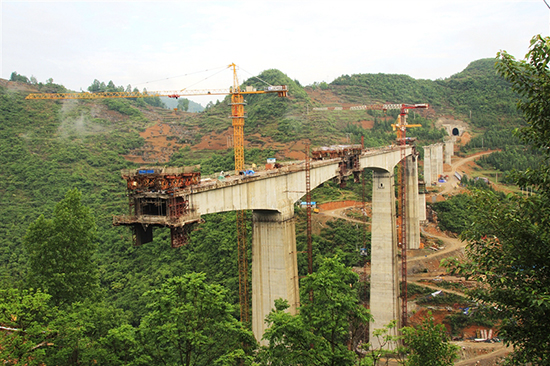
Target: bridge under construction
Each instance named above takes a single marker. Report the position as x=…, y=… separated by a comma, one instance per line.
x=176, y=198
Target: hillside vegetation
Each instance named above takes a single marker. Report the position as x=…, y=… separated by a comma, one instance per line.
x=50, y=147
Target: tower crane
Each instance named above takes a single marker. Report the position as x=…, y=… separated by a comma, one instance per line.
x=401, y=128
x=379, y=107
x=237, y=117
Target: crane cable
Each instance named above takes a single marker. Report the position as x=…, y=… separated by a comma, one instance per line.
x=220, y=68
x=200, y=81
x=188, y=74
x=256, y=77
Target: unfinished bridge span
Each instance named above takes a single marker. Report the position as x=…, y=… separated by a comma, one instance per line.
x=271, y=196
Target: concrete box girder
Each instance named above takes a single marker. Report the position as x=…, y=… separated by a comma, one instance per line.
x=271, y=196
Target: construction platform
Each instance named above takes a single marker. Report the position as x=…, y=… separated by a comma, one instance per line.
x=159, y=196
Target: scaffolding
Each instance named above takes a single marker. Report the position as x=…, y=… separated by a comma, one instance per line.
x=160, y=197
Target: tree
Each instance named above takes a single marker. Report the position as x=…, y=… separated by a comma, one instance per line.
x=155, y=102
x=453, y=214
x=428, y=345
x=111, y=87
x=89, y=333
x=191, y=323
x=60, y=251
x=183, y=104
x=17, y=77
x=374, y=356
x=330, y=321
x=28, y=335
x=531, y=80
x=509, y=241
x=96, y=87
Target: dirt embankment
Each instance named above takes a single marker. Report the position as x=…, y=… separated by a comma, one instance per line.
x=162, y=141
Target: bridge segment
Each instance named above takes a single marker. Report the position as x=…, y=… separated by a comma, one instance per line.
x=271, y=196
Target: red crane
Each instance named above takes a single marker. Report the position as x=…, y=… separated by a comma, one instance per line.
x=401, y=128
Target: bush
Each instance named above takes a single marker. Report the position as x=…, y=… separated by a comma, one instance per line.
x=123, y=107
x=453, y=214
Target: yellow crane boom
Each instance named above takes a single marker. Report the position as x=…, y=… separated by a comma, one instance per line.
x=279, y=89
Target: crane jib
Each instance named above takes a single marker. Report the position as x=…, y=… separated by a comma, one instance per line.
x=280, y=89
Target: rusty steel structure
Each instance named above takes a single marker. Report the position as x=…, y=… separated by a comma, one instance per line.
x=160, y=179
x=308, y=212
x=401, y=128
x=157, y=198
x=336, y=151
x=349, y=155
x=401, y=224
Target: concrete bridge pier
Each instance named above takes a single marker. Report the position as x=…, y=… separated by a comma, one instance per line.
x=274, y=264
x=439, y=152
x=449, y=151
x=412, y=203
x=428, y=165
x=435, y=163
x=422, y=206
x=384, y=286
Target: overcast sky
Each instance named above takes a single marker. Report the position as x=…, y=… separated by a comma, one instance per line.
x=170, y=45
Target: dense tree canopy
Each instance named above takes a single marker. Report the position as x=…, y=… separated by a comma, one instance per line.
x=20, y=78
x=509, y=243
x=60, y=251
x=191, y=323
x=28, y=317
x=330, y=320
x=428, y=344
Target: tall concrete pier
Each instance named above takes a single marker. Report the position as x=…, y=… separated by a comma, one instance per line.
x=428, y=164
x=433, y=163
x=449, y=150
x=439, y=160
x=384, y=285
x=274, y=264
x=412, y=203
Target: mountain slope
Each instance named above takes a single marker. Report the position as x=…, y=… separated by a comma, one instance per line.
x=47, y=147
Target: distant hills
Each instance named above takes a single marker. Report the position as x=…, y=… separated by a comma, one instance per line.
x=476, y=95
x=476, y=89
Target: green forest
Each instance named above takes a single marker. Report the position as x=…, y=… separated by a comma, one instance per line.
x=76, y=291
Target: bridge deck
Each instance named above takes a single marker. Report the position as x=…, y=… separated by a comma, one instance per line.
x=288, y=168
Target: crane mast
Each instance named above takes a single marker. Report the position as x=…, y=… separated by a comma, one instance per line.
x=237, y=116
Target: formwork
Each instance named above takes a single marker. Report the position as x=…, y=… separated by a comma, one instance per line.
x=160, y=197
x=350, y=160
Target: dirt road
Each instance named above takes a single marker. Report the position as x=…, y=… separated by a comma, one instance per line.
x=450, y=185
x=339, y=213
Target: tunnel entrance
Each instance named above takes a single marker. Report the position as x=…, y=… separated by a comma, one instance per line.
x=455, y=132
